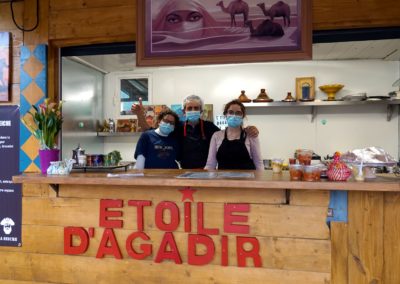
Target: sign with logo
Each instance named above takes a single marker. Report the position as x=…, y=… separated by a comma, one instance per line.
x=10, y=193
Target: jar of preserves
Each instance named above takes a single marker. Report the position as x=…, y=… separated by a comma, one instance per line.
x=296, y=171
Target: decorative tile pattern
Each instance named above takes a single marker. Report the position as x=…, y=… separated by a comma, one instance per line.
x=33, y=92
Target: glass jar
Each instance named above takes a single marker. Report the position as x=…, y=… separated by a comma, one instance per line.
x=277, y=165
x=296, y=171
x=312, y=173
x=304, y=156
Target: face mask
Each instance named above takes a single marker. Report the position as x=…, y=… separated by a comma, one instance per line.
x=166, y=128
x=234, y=121
x=193, y=116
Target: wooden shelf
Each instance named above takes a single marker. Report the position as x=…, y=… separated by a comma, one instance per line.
x=390, y=103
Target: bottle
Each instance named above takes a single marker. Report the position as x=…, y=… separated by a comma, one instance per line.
x=111, y=125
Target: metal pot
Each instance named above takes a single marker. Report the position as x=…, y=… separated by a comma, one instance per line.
x=76, y=152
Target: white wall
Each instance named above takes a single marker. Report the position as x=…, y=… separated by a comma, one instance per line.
x=282, y=130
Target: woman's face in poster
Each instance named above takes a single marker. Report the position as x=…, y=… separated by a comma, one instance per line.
x=179, y=21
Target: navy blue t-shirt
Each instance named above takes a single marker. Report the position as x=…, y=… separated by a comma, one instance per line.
x=160, y=152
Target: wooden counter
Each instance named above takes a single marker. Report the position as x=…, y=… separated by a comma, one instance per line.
x=263, y=230
x=263, y=179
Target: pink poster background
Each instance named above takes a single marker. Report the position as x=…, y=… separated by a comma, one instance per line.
x=188, y=27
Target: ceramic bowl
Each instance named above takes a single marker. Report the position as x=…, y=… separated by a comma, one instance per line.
x=331, y=90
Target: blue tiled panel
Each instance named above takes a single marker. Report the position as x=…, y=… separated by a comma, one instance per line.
x=28, y=67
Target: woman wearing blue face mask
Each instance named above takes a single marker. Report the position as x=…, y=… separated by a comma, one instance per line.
x=159, y=148
x=232, y=148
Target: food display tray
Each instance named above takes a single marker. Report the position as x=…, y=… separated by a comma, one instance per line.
x=124, y=165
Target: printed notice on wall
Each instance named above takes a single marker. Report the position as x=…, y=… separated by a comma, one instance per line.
x=10, y=193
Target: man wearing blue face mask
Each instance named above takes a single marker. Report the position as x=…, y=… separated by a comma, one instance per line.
x=232, y=148
x=195, y=135
x=159, y=148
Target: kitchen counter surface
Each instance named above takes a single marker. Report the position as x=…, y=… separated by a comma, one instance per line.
x=262, y=179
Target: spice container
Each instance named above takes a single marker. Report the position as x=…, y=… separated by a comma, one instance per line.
x=304, y=156
x=296, y=171
x=277, y=165
x=358, y=172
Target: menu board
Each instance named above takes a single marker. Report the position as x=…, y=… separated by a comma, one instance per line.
x=10, y=193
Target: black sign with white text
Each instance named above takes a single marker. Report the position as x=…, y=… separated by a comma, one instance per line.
x=10, y=193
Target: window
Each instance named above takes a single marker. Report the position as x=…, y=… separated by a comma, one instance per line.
x=129, y=89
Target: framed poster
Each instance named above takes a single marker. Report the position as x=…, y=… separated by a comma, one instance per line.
x=183, y=32
x=5, y=66
x=305, y=89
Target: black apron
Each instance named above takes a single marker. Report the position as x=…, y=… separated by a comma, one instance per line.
x=233, y=154
x=195, y=147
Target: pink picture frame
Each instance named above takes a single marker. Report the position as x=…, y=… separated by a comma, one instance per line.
x=5, y=70
x=185, y=32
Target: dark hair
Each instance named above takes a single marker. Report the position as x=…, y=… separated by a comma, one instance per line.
x=166, y=112
x=235, y=102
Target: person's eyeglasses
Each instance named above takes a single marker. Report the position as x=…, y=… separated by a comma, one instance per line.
x=237, y=113
x=172, y=122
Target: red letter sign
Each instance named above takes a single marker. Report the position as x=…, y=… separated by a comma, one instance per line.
x=69, y=232
x=193, y=257
x=160, y=216
x=229, y=227
x=146, y=248
x=173, y=254
x=113, y=249
x=200, y=222
x=104, y=213
x=242, y=254
x=140, y=204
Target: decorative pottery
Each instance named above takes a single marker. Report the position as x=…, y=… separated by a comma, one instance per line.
x=243, y=98
x=263, y=97
x=289, y=98
x=338, y=170
x=47, y=156
x=331, y=90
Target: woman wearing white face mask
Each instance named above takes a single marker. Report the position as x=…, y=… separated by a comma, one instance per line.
x=159, y=148
x=232, y=148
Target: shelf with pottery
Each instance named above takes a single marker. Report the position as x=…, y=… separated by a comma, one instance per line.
x=391, y=103
x=118, y=134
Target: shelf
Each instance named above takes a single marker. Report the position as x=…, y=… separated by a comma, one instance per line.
x=124, y=165
x=118, y=134
x=390, y=103
x=72, y=134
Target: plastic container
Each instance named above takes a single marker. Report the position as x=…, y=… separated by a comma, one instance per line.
x=312, y=173
x=277, y=165
x=296, y=171
x=304, y=156
x=358, y=172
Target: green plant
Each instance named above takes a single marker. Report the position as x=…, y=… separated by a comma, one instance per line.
x=114, y=158
x=47, y=121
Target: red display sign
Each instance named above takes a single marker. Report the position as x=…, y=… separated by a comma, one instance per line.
x=111, y=219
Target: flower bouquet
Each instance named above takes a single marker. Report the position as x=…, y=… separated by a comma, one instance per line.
x=46, y=125
x=48, y=121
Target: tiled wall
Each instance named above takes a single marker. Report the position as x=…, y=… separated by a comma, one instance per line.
x=33, y=92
